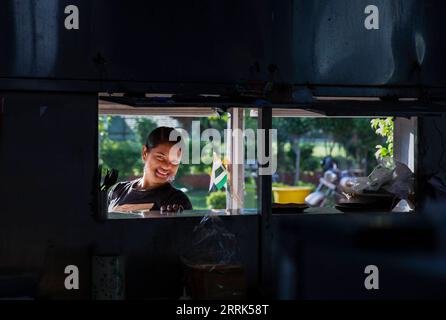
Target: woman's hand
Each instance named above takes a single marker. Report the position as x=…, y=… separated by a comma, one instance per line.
x=171, y=208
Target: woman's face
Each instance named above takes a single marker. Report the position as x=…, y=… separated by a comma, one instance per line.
x=161, y=163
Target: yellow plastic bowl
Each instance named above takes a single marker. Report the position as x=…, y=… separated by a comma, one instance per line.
x=291, y=194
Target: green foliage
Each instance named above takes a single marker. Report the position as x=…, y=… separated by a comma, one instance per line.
x=216, y=122
x=103, y=122
x=384, y=128
x=200, y=169
x=250, y=181
x=290, y=129
x=354, y=135
x=143, y=128
x=124, y=156
x=285, y=157
x=308, y=161
x=351, y=135
x=216, y=200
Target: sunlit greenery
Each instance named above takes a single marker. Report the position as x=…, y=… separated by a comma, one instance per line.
x=216, y=200
x=384, y=128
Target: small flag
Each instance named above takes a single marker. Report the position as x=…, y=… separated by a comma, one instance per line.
x=219, y=175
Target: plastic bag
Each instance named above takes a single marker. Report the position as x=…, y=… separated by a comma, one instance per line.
x=212, y=244
x=402, y=183
x=212, y=263
x=391, y=176
x=383, y=173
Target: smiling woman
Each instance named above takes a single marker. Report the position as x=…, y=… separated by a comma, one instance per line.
x=153, y=191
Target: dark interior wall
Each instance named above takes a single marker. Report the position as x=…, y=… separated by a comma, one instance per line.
x=320, y=256
x=47, y=166
x=48, y=148
x=324, y=257
x=431, y=159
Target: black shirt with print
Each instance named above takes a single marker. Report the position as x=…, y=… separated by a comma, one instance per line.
x=125, y=193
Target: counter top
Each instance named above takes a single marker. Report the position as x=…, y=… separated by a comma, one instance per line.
x=186, y=213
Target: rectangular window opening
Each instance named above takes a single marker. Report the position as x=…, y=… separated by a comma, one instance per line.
x=211, y=145
x=328, y=164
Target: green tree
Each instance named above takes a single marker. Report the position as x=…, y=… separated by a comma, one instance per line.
x=351, y=134
x=354, y=135
x=292, y=130
x=125, y=156
x=143, y=128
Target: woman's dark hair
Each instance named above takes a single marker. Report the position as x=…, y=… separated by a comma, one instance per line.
x=162, y=135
